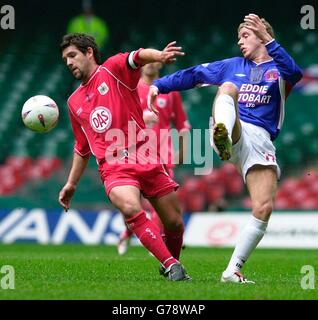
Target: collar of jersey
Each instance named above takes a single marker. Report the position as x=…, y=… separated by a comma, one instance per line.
x=258, y=64
x=91, y=77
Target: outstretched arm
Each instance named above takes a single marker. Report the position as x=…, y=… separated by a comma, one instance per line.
x=167, y=56
x=178, y=81
x=197, y=76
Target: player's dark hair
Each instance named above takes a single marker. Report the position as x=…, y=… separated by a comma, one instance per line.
x=82, y=42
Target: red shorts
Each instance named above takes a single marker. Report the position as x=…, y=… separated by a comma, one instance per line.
x=170, y=171
x=153, y=180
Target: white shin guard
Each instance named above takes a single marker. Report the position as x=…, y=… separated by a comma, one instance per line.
x=224, y=111
x=247, y=242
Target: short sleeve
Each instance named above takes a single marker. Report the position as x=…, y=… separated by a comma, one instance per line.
x=81, y=145
x=125, y=68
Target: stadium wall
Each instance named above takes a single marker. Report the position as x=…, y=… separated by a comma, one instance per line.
x=285, y=230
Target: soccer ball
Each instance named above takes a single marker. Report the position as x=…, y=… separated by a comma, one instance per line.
x=40, y=113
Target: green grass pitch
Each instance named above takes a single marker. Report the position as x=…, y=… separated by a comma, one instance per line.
x=97, y=272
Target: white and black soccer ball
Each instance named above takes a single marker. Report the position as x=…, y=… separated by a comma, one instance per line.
x=40, y=113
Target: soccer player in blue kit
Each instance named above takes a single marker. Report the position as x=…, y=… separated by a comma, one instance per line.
x=248, y=113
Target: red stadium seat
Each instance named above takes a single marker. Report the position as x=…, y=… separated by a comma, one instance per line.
x=18, y=162
x=290, y=185
x=314, y=187
x=10, y=180
x=43, y=168
x=229, y=169
x=310, y=176
x=299, y=195
x=215, y=193
x=213, y=178
x=234, y=186
x=195, y=202
x=48, y=165
x=247, y=203
x=194, y=184
x=284, y=203
x=281, y=193
x=20, y=165
x=309, y=203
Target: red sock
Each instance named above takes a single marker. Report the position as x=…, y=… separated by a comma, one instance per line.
x=126, y=233
x=149, y=235
x=156, y=220
x=174, y=241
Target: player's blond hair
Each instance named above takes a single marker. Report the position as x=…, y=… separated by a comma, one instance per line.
x=267, y=25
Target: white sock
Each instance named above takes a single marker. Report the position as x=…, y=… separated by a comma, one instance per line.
x=247, y=242
x=224, y=112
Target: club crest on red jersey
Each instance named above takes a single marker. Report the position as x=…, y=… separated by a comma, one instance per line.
x=100, y=119
x=161, y=102
x=103, y=89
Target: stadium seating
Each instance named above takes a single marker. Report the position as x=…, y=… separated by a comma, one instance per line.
x=296, y=192
x=199, y=193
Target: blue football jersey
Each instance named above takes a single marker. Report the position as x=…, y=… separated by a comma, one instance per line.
x=263, y=87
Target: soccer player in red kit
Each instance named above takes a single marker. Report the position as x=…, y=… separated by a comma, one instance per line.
x=102, y=110
x=171, y=113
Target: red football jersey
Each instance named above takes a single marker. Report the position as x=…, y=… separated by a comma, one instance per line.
x=106, y=110
x=171, y=112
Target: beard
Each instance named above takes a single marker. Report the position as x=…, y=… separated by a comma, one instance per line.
x=78, y=74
